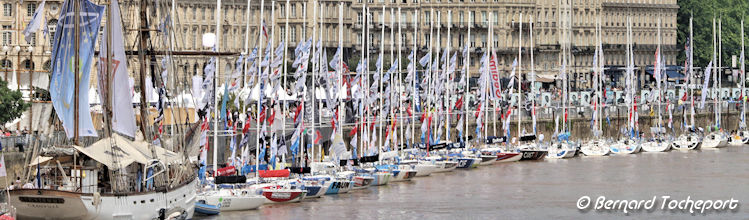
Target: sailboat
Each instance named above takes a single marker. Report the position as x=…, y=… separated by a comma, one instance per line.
x=630, y=141
x=716, y=138
x=94, y=187
x=597, y=146
x=691, y=138
x=741, y=136
x=660, y=142
x=561, y=145
x=528, y=144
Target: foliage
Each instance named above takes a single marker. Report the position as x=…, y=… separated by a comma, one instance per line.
x=729, y=12
x=11, y=104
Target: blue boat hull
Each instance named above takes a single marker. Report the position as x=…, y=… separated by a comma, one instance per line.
x=206, y=209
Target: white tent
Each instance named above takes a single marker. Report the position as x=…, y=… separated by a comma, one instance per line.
x=268, y=93
x=321, y=94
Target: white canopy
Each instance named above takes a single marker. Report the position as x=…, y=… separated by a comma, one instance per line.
x=268, y=92
x=125, y=152
x=39, y=160
x=321, y=94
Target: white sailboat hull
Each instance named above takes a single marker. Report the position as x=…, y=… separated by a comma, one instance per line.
x=560, y=150
x=687, y=142
x=239, y=201
x=739, y=139
x=595, y=148
x=423, y=169
x=714, y=140
x=54, y=204
x=656, y=146
x=626, y=146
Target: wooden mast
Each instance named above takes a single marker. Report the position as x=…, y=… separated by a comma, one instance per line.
x=142, y=60
x=76, y=68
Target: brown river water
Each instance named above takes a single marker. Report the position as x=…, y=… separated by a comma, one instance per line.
x=548, y=189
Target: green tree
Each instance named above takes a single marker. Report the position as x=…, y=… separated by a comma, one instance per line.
x=729, y=12
x=11, y=104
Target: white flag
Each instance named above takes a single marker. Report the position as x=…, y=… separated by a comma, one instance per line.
x=123, y=117
x=708, y=69
x=2, y=166
x=37, y=22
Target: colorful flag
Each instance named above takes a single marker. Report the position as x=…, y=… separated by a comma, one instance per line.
x=63, y=80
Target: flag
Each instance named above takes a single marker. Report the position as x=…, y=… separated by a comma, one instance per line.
x=37, y=22
x=708, y=69
x=123, y=116
x=62, y=83
x=3, y=172
x=424, y=61
x=265, y=30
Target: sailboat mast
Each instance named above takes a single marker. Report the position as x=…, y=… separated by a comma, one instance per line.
x=363, y=61
x=142, y=57
x=284, y=108
x=107, y=104
x=743, y=80
x=380, y=115
x=467, y=88
x=447, y=70
x=400, y=81
x=215, y=87
x=414, y=91
x=260, y=89
x=660, y=76
x=315, y=63
x=531, y=92
x=490, y=32
x=340, y=70
x=691, y=70
x=520, y=69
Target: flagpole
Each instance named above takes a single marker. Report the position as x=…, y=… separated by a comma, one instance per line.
x=302, y=146
x=324, y=62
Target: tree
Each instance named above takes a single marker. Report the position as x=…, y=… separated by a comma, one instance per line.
x=730, y=12
x=11, y=104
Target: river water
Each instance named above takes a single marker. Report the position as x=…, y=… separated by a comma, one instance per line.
x=542, y=190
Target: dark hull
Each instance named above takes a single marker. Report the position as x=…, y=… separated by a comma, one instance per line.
x=532, y=154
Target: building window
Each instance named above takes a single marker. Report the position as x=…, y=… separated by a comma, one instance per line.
x=6, y=64
x=496, y=18
x=282, y=10
x=484, y=19
x=52, y=26
x=293, y=11
x=7, y=35
x=31, y=7
x=427, y=16
x=359, y=17
x=416, y=1
x=283, y=32
x=404, y=19
x=33, y=39
x=202, y=11
x=28, y=65
x=7, y=9
x=292, y=34
x=460, y=18
x=194, y=13
x=471, y=17
x=483, y=41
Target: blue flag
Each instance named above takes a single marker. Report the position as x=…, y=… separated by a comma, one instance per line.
x=62, y=84
x=223, y=105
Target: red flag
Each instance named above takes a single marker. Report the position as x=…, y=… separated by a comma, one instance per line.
x=317, y=136
x=353, y=131
x=459, y=103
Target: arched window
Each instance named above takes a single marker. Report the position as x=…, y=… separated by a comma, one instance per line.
x=6, y=65
x=47, y=66
x=52, y=26
x=27, y=65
